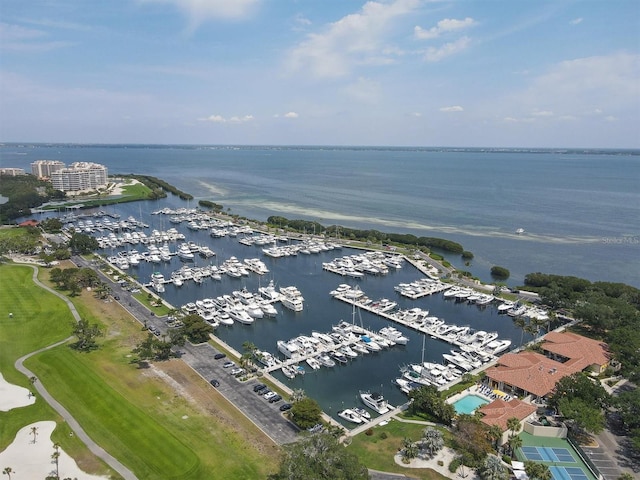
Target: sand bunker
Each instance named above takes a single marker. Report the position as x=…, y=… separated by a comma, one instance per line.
x=13, y=396
x=29, y=460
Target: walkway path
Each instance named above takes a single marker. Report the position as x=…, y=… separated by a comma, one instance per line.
x=73, y=423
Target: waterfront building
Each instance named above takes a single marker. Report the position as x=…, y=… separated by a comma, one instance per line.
x=80, y=176
x=11, y=172
x=534, y=376
x=500, y=411
x=44, y=168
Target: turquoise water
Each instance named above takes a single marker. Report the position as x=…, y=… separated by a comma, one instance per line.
x=468, y=404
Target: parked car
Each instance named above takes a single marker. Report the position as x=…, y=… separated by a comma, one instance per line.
x=237, y=371
x=259, y=386
x=285, y=406
x=275, y=399
x=270, y=395
x=215, y=383
x=218, y=356
x=228, y=364
x=264, y=391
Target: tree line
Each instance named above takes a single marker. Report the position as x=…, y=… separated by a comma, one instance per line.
x=373, y=236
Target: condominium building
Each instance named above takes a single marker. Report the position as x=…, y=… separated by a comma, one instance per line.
x=80, y=176
x=11, y=171
x=44, y=168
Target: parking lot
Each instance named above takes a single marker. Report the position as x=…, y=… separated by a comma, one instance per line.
x=201, y=358
x=267, y=416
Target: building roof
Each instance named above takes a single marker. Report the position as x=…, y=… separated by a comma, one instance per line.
x=530, y=371
x=582, y=352
x=29, y=223
x=499, y=411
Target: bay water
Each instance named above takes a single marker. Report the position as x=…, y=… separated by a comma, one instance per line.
x=580, y=212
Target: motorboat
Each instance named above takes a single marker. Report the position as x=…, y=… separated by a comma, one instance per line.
x=375, y=401
x=392, y=333
x=292, y=303
x=288, y=349
x=313, y=363
x=362, y=412
x=325, y=360
x=351, y=416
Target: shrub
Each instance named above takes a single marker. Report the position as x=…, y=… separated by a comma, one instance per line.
x=455, y=463
x=506, y=459
x=383, y=435
x=440, y=463
x=369, y=432
x=500, y=272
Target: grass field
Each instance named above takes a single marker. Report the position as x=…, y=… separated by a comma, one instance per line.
x=139, y=418
x=377, y=452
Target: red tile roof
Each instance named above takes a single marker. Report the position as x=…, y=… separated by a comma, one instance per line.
x=581, y=351
x=529, y=371
x=538, y=374
x=29, y=223
x=499, y=411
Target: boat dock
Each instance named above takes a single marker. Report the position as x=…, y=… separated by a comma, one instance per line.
x=395, y=318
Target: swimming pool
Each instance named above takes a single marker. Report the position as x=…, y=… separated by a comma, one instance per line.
x=468, y=404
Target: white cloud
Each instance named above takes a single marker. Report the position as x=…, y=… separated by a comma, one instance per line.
x=453, y=108
x=199, y=11
x=22, y=39
x=443, y=26
x=221, y=119
x=291, y=115
x=542, y=113
x=356, y=39
x=610, y=118
x=580, y=89
x=576, y=21
x=435, y=54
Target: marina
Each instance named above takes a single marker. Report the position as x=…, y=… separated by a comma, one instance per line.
x=333, y=375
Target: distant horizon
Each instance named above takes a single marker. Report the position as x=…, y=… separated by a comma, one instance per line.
x=326, y=146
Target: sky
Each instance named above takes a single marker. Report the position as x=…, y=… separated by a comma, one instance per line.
x=460, y=73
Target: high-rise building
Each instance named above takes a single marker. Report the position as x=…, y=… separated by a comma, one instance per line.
x=80, y=176
x=44, y=168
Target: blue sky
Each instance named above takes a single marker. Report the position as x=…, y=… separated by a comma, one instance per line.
x=322, y=72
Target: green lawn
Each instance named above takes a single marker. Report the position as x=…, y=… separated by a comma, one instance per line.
x=377, y=452
x=136, y=417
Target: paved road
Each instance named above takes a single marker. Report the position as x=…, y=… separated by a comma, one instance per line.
x=93, y=447
x=264, y=415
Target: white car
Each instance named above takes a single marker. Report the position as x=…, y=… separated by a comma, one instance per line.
x=270, y=395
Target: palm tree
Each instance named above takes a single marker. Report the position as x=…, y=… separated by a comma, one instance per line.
x=8, y=471
x=493, y=469
x=513, y=424
x=56, y=458
x=537, y=471
x=521, y=324
x=34, y=432
x=515, y=442
x=494, y=433
x=409, y=450
x=297, y=395
x=432, y=440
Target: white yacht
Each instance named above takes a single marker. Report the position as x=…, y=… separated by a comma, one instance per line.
x=351, y=416
x=313, y=363
x=375, y=401
x=288, y=349
x=292, y=303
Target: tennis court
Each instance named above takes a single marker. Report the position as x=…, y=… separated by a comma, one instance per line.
x=568, y=473
x=548, y=454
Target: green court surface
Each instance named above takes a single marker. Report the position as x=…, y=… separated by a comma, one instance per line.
x=563, y=460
